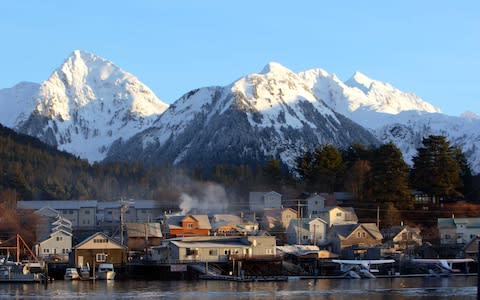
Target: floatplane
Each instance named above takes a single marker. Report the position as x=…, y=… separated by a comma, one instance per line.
x=360, y=268
x=442, y=266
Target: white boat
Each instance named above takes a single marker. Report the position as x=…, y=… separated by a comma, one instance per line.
x=15, y=272
x=106, y=272
x=71, y=274
x=84, y=272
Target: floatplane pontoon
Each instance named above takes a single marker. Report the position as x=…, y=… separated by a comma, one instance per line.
x=360, y=268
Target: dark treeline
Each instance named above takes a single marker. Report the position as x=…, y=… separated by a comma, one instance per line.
x=31, y=170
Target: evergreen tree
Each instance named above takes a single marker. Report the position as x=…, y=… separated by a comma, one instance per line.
x=273, y=173
x=436, y=170
x=388, y=179
x=465, y=172
x=330, y=168
x=355, y=179
x=321, y=170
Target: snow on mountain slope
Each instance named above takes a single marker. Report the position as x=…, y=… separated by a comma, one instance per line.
x=364, y=100
x=407, y=129
x=260, y=116
x=88, y=103
x=17, y=103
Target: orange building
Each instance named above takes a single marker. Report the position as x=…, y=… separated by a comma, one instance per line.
x=190, y=225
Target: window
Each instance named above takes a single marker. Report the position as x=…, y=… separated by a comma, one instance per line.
x=190, y=225
x=100, y=257
x=100, y=240
x=339, y=214
x=364, y=234
x=59, y=238
x=213, y=252
x=190, y=251
x=109, y=212
x=358, y=234
x=87, y=212
x=269, y=251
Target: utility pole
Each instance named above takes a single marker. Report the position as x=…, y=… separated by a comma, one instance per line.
x=378, y=216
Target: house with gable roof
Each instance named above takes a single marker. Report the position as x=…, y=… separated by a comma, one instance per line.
x=307, y=232
x=273, y=217
x=339, y=215
x=54, y=235
x=99, y=248
x=358, y=237
x=399, y=238
x=258, y=201
x=458, y=230
x=228, y=224
x=189, y=225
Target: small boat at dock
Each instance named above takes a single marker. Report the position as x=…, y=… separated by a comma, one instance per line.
x=71, y=274
x=106, y=271
x=84, y=272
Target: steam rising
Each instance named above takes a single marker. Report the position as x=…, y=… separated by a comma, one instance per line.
x=211, y=198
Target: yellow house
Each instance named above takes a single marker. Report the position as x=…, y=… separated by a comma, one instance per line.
x=99, y=248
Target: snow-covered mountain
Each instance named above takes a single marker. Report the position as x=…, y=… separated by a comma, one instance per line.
x=395, y=116
x=86, y=105
x=90, y=107
x=17, y=103
x=364, y=100
x=260, y=116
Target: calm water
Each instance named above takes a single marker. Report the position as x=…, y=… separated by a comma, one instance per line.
x=395, y=289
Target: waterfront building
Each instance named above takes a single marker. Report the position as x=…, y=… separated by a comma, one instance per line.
x=357, y=237
x=458, y=230
x=143, y=235
x=99, y=248
x=214, y=249
x=189, y=225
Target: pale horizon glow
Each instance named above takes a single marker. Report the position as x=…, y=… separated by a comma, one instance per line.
x=430, y=48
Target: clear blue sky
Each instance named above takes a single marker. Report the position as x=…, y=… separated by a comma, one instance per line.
x=431, y=48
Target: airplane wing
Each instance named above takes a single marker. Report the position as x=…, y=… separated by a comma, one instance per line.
x=363, y=262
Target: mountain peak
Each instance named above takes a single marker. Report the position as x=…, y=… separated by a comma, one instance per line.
x=470, y=115
x=274, y=67
x=360, y=80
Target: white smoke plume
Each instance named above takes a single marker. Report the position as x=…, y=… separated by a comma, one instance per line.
x=210, y=198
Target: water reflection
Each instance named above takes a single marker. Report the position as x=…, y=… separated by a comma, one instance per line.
x=396, y=289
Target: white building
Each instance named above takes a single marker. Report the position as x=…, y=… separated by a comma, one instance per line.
x=339, y=215
x=307, y=232
x=82, y=213
x=214, y=248
x=56, y=247
x=315, y=205
x=258, y=201
x=458, y=230
x=54, y=233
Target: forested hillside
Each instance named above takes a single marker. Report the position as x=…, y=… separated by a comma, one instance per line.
x=30, y=169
